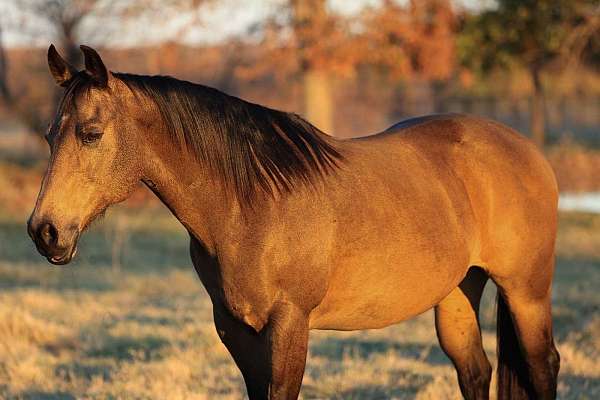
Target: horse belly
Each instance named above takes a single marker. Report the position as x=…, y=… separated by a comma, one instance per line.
x=383, y=290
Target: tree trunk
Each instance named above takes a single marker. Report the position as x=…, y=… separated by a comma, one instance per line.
x=310, y=20
x=5, y=94
x=318, y=104
x=438, y=89
x=69, y=43
x=538, y=118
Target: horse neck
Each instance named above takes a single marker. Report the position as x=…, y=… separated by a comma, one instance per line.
x=197, y=200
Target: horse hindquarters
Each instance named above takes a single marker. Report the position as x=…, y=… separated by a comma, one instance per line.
x=514, y=196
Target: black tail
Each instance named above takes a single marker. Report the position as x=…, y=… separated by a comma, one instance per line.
x=513, y=377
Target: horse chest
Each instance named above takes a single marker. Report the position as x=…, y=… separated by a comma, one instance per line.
x=245, y=305
x=244, y=298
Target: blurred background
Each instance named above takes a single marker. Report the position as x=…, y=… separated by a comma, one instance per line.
x=129, y=319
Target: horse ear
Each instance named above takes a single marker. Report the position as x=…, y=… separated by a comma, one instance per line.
x=61, y=70
x=94, y=66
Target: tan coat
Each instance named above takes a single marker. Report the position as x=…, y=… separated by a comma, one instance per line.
x=294, y=230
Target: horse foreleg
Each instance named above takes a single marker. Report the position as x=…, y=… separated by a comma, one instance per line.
x=272, y=361
x=457, y=325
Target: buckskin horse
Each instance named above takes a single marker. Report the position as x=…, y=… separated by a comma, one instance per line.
x=291, y=229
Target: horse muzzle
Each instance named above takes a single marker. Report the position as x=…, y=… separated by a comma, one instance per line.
x=58, y=246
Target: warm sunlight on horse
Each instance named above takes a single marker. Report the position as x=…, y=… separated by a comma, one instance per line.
x=292, y=229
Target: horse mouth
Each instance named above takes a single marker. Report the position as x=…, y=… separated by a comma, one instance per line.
x=63, y=259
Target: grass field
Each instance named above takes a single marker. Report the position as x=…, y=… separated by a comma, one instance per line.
x=129, y=319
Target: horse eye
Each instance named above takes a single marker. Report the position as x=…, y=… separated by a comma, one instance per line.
x=91, y=137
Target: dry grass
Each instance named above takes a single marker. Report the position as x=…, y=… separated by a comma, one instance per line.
x=145, y=331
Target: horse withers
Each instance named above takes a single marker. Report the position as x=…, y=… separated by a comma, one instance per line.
x=292, y=230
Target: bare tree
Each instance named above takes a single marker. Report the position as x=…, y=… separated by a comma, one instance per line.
x=65, y=18
x=306, y=41
x=542, y=37
x=101, y=19
x=5, y=93
x=406, y=40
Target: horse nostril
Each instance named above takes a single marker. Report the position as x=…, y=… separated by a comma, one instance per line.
x=48, y=235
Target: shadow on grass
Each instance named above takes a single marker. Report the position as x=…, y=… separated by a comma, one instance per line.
x=123, y=348
x=81, y=370
x=579, y=387
x=380, y=392
x=148, y=320
x=336, y=348
x=575, y=295
x=15, y=276
x=372, y=392
x=39, y=395
x=405, y=386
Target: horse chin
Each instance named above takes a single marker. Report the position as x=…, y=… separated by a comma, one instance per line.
x=63, y=259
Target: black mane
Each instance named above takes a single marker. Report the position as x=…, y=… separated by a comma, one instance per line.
x=248, y=146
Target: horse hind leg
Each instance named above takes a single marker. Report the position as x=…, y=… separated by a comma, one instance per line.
x=457, y=325
x=528, y=361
